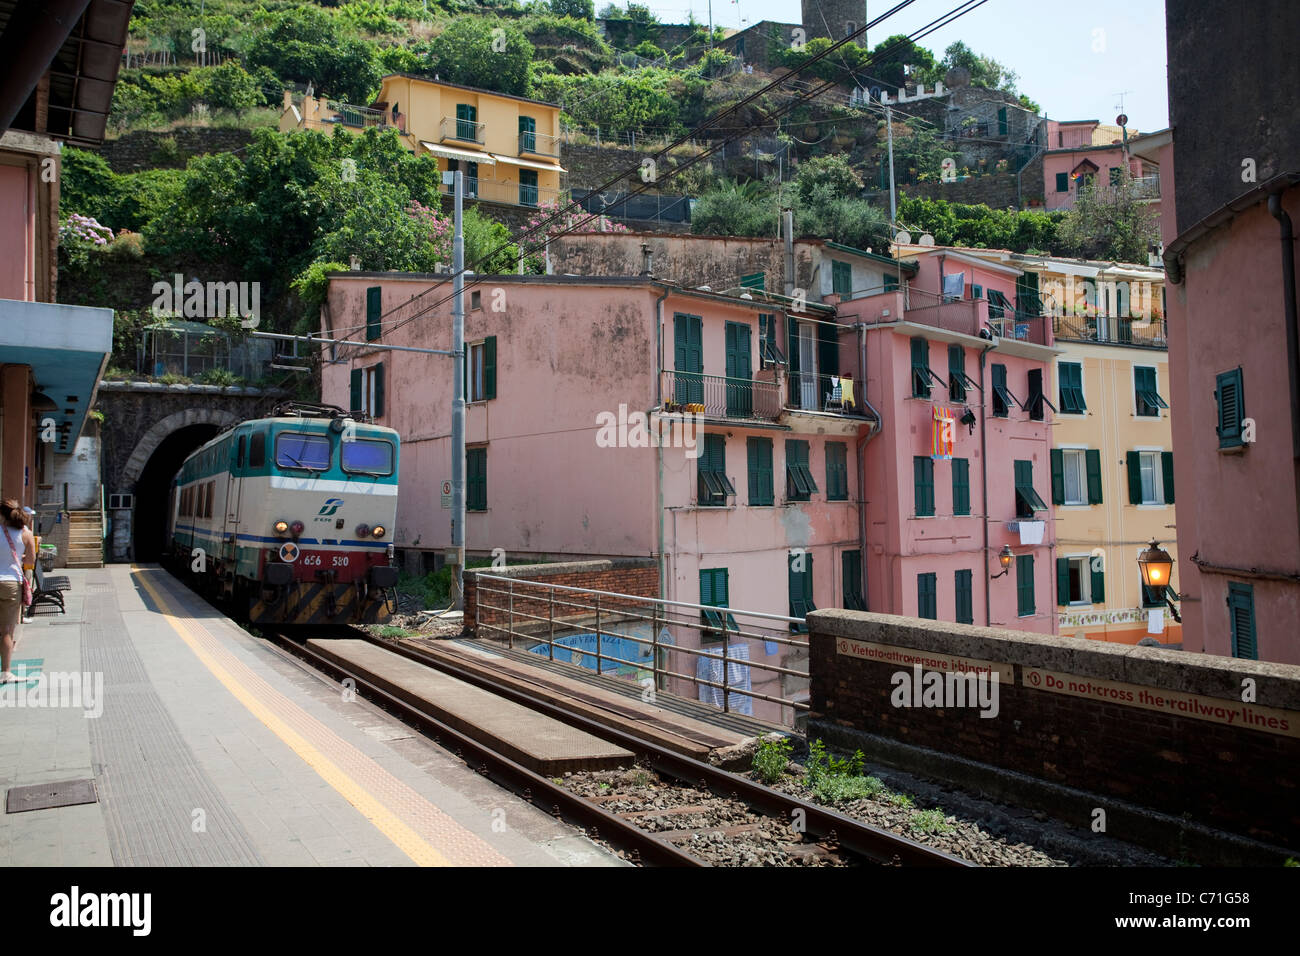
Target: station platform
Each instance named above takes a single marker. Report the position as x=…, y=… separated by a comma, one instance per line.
x=153, y=731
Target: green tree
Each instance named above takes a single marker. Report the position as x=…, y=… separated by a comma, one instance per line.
x=984, y=70
x=578, y=9
x=231, y=87
x=1109, y=222
x=309, y=46
x=736, y=209
x=472, y=53
x=832, y=171
x=832, y=215
x=891, y=55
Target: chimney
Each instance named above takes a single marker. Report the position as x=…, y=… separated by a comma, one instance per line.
x=787, y=230
x=354, y=264
x=647, y=260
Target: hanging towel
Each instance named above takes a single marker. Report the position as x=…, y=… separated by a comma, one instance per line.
x=1031, y=532
x=945, y=431
x=1156, y=620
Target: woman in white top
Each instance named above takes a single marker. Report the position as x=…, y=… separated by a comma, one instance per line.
x=17, y=549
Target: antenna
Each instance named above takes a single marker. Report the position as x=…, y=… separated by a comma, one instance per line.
x=1120, y=105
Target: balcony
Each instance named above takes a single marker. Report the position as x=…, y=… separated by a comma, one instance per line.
x=356, y=117
x=1148, y=187
x=461, y=131
x=1112, y=330
x=513, y=194
x=539, y=144
x=731, y=399
x=811, y=392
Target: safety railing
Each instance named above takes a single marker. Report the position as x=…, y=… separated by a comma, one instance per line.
x=690, y=650
x=1112, y=330
x=539, y=144
x=463, y=130
x=742, y=399
x=816, y=392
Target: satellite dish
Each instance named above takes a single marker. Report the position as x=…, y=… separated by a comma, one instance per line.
x=704, y=288
x=746, y=295
x=904, y=238
x=926, y=239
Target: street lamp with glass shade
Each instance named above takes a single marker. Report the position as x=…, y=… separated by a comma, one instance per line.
x=1156, y=565
x=1004, y=558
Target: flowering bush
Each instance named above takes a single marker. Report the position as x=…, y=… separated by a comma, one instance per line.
x=437, y=228
x=600, y=223
x=79, y=234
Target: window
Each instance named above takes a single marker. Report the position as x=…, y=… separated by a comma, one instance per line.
x=891, y=282
x=257, y=450
x=977, y=292
x=1241, y=616
x=922, y=374
x=374, y=312
x=528, y=136
x=688, y=358
x=964, y=597
x=1150, y=477
x=367, y=456
x=769, y=352
x=960, y=486
x=296, y=450
x=466, y=125
x=1149, y=401
x=1025, y=585
x=923, y=480
x=481, y=370
x=1027, y=500
x=760, y=471
x=999, y=304
x=1080, y=581
x=239, y=452
x=841, y=279
x=959, y=383
x=1003, y=126
x=1062, y=182
x=714, y=593
x=799, y=479
x=476, y=479
x=1228, y=394
x=527, y=187
x=926, y=596
x=470, y=175
x=1076, y=476
x=837, y=471
x=1069, y=376
x=713, y=485
x=475, y=301
x=801, y=594
x=1003, y=400
x=739, y=370
x=851, y=567
x=1036, y=397
x=367, y=391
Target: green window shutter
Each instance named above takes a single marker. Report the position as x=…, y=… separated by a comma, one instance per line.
x=851, y=571
x=1229, y=394
x=1167, y=469
x=837, y=477
x=923, y=474
x=1003, y=126
x=1134, y=461
x=490, y=367
x=378, y=410
x=1241, y=618
x=960, y=486
x=920, y=362
x=956, y=372
x=688, y=358
x=808, y=581
x=841, y=278
x=1025, y=585
x=965, y=610
x=1062, y=581
x=1058, y=476
x=1092, y=459
x=1098, y=594
x=706, y=587
x=999, y=376
x=891, y=282
x=354, y=398
x=751, y=470
x=1062, y=182
x=476, y=479
x=374, y=312
x=756, y=280
x=792, y=346
x=925, y=595
x=828, y=355
x=760, y=471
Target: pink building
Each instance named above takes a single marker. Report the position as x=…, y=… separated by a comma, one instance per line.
x=1086, y=153
x=1231, y=184
x=960, y=472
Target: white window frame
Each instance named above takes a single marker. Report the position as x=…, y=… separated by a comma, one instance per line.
x=1157, y=476
x=476, y=386
x=368, y=390
x=1085, y=580
x=1079, y=451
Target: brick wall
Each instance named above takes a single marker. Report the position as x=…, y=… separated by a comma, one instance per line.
x=173, y=148
x=638, y=576
x=1162, y=777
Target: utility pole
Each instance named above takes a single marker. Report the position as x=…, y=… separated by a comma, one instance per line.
x=457, y=554
x=893, y=204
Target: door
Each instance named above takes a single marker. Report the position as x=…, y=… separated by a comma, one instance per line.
x=688, y=338
x=740, y=392
x=808, y=397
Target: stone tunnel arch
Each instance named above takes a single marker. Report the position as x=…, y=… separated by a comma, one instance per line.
x=153, y=461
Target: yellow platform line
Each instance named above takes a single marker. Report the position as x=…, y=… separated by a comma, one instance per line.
x=263, y=702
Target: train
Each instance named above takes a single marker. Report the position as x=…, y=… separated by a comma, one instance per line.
x=289, y=518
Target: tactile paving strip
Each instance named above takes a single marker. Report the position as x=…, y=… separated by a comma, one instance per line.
x=422, y=831
x=148, y=780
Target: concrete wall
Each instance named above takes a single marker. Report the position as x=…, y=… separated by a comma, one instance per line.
x=1078, y=727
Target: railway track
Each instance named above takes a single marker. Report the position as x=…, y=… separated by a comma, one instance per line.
x=694, y=797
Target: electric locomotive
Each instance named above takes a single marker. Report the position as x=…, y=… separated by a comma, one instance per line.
x=290, y=517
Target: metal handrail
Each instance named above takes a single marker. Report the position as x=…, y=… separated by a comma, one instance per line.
x=723, y=397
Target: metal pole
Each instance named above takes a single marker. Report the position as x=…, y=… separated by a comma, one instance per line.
x=550, y=647
x=726, y=697
x=597, y=633
x=458, y=394
x=654, y=646
x=893, y=205
x=510, y=621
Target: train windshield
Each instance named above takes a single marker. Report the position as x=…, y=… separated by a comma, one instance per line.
x=294, y=450
x=369, y=457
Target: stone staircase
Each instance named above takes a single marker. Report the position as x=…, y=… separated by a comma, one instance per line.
x=85, y=539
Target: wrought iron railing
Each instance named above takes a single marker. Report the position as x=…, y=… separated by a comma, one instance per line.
x=539, y=144
x=722, y=397
x=1112, y=330
x=817, y=392
x=1019, y=326
x=461, y=129
x=359, y=117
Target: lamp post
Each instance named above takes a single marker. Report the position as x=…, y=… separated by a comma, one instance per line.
x=1004, y=559
x=1156, y=565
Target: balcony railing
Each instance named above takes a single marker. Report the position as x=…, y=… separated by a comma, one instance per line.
x=461, y=130
x=1148, y=187
x=814, y=392
x=1020, y=326
x=1112, y=330
x=514, y=194
x=733, y=398
x=539, y=144
x=358, y=117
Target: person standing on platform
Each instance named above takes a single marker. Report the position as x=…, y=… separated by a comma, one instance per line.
x=17, y=550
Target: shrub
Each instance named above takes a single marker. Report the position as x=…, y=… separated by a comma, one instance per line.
x=771, y=758
x=220, y=376
x=127, y=245
x=930, y=821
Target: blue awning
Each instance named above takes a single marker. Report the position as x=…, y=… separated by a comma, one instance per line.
x=67, y=347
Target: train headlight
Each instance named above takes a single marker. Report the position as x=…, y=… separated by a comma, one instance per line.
x=282, y=527
x=379, y=531
x=296, y=528
x=363, y=530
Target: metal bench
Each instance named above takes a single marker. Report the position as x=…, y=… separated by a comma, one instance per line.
x=49, y=590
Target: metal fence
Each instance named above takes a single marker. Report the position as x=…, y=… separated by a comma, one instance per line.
x=742, y=399
x=692, y=650
x=645, y=207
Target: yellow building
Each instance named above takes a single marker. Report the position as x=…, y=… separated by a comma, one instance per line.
x=1112, y=446
x=508, y=147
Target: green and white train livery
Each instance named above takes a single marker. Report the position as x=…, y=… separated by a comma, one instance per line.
x=291, y=516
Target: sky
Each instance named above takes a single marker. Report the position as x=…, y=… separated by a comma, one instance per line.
x=1074, y=60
